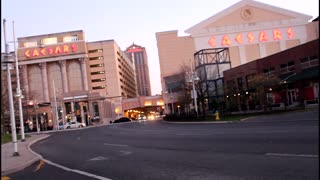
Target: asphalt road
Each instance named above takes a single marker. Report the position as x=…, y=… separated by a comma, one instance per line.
x=270, y=148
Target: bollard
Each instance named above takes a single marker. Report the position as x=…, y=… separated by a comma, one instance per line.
x=217, y=115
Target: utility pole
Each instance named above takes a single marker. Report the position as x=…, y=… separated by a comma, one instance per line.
x=12, y=118
x=18, y=93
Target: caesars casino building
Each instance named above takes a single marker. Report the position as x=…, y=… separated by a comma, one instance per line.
x=246, y=31
x=64, y=76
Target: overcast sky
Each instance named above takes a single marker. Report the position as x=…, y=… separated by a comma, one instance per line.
x=125, y=21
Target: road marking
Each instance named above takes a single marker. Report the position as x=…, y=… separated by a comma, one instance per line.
x=193, y=134
x=63, y=167
x=99, y=158
x=5, y=178
x=293, y=155
x=125, y=152
x=39, y=166
x=119, y=145
x=76, y=171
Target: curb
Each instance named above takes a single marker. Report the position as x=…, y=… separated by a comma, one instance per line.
x=28, y=163
x=19, y=167
x=203, y=122
x=34, y=141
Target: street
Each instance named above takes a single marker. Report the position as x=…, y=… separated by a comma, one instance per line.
x=277, y=147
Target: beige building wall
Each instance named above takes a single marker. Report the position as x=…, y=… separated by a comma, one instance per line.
x=116, y=68
x=174, y=53
x=249, y=29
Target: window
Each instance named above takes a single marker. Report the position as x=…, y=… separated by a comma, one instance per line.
x=47, y=41
x=97, y=65
x=269, y=71
x=309, y=61
x=231, y=85
x=288, y=67
x=99, y=87
x=240, y=83
x=30, y=44
x=97, y=72
x=70, y=38
x=250, y=79
x=96, y=51
x=96, y=58
x=98, y=80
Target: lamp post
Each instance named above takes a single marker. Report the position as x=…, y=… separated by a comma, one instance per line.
x=18, y=91
x=35, y=106
x=171, y=100
x=194, y=78
x=56, y=106
x=11, y=108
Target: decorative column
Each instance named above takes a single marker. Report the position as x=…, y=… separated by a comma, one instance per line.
x=262, y=50
x=43, y=67
x=25, y=83
x=64, y=76
x=84, y=74
x=82, y=113
x=243, y=56
x=283, y=45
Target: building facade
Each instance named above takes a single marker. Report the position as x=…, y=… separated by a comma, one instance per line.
x=64, y=78
x=294, y=74
x=249, y=29
x=139, y=55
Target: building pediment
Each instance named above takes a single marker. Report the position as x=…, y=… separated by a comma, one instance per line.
x=248, y=14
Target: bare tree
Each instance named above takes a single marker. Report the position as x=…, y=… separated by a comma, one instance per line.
x=262, y=84
x=4, y=102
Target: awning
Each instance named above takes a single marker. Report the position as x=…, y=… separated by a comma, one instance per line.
x=310, y=73
x=285, y=78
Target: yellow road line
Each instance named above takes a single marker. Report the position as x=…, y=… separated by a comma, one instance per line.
x=5, y=178
x=39, y=166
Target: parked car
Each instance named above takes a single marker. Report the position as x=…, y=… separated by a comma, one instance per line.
x=74, y=124
x=122, y=119
x=60, y=127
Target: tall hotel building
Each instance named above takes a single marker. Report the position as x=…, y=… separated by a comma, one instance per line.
x=139, y=55
x=80, y=80
x=246, y=31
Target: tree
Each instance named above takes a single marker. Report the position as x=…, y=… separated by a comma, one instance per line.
x=4, y=101
x=262, y=84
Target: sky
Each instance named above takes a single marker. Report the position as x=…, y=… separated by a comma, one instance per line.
x=124, y=21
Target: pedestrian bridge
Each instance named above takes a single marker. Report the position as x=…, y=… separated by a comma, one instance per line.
x=142, y=102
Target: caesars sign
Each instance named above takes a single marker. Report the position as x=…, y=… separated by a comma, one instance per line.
x=56, y=50
x=252, y=37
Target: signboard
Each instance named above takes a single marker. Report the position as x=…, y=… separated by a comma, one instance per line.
x=56, y=50
x=251, y=37
x=135, y=50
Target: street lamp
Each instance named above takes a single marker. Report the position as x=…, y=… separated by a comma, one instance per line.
x=35, y=106
x=193, y=78
x=18, y=92
x=7, y=61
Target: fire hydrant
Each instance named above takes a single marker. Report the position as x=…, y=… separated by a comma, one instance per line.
x=217, y=115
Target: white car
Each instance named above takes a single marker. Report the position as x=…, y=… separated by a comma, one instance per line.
x=74, y=124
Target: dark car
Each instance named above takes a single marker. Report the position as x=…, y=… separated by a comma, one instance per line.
x=122, y=119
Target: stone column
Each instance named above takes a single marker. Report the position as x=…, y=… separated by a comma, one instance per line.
x=24, y=81
x=64, y=76
x=82, y=113
x=262, y=50
x=243, y=56
x=84, y=74
x=43, y=67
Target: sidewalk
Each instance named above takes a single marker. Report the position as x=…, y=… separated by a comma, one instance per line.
x=11, y=164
